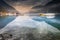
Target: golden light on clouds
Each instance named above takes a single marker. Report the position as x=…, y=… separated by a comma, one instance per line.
x=23, y=8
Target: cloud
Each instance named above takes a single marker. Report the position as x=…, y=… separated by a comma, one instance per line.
x=25, y=6
x=34, y=6
x=28, y=2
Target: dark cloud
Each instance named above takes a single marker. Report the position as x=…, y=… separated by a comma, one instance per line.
x=51, y=7
x=25, y=4
x=55, y=8
x=39, y=6
x=6, y=7
x=28, y=2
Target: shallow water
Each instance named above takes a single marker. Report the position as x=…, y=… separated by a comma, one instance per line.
x=4, y=20
x=41, y=24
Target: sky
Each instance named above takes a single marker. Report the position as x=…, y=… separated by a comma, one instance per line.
x=6, y=6
x=32, y=6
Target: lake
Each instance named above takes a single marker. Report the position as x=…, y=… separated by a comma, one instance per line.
x=4, y=20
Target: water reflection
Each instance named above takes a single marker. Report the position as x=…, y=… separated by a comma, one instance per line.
x=4, y=20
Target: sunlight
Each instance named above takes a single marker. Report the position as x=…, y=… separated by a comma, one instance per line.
x=50, y=15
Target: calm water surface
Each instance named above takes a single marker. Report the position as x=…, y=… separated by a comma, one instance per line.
x=4, y=20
